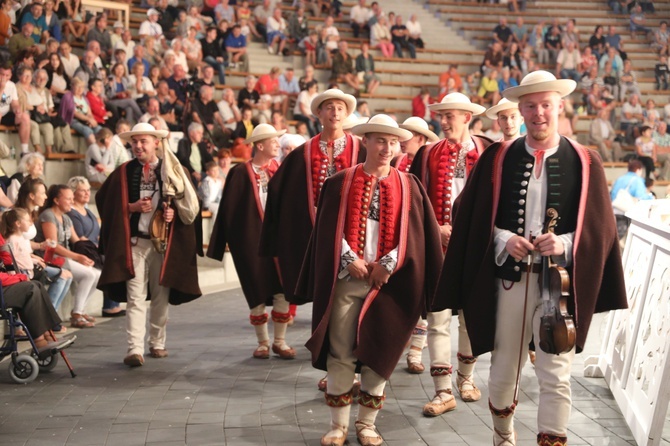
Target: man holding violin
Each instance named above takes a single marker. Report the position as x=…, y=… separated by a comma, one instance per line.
x=502, y=244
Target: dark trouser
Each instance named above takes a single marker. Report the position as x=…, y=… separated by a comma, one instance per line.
x=648, y=165
x=32, y=302
x=358, y=27
x=220, y=68
x=408, y=46
x=418, y=43
x=262, y=30
x=662, y=81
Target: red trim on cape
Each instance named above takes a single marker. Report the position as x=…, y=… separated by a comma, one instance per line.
x=126, y=218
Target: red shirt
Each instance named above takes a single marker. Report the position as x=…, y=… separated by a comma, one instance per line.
x=265, y=82
x=97, y=107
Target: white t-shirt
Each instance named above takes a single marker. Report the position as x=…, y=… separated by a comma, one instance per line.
x=274, y=25
x=149, y=28
x=226, y=112
x=9, y=95
x=359, y=14
x=414, y=28
x=306, y=100
x=70, y=64
x=132, y=86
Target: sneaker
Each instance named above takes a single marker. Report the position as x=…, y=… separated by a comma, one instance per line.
x=271, y=50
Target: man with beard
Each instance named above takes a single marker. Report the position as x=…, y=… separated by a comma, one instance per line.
x=443, y=169
x=238, y=225
x=370, y=267
x=509, y=119
x=504, y=203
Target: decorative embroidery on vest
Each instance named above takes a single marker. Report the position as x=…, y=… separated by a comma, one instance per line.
x=258, y=320
x=371, y=401
x=321, y=168
x=442, y=166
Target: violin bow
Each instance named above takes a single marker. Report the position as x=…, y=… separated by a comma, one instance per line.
x=529, y=268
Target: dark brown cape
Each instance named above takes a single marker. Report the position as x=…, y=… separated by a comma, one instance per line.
x=387, y=324
x=238, y=223
x=468, y=274
x=287, y=224
x=180, y=268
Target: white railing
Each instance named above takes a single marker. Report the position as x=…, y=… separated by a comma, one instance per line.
x=96, y=6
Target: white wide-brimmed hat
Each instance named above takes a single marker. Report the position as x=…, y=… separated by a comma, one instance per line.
x=382, y=124
x=419, y=125
x=262, y=132
x=352, y=121
x=539, y=81
x=143, y=128
x=503, y=104
x=292, y=140
x=333, y=93
x=457, y=101
x=152, y=11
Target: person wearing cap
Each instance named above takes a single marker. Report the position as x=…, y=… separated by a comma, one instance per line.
x=293, y=192
x=133, y=268
x=151, y=27
x=503, y=204
x=443, y=169
x=370, y=269
x=238, y=226
x=507, y=114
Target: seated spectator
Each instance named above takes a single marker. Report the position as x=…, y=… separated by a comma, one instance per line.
x=637, y=22
x=140, y=89
x=278, y=121
x=106, y=114
x=211, y=188
x=70, y=61
x=595, y=100
x=400, y=38
x=588, y=61
x=34, y=104
x=198, y=21
x=268, y=88
x=631, y=116
x=228, y=109
x=151, y=53
x=289, y=87
x=662, y=73
x=21, y=41
x=512, y=60
x=451, y=73
x=308, y=46
x=6, y=7
x=223, y=11
x=244, y=127
x=35, y=16
x=302, y=111
x=121, y=91
x=634, y=185
x=414, y=31
x=420, y=108
x=568, y=61
x=276, y=33
x=617, y=62
x=571, y=34
x=193, y=50
x=100, y=34
x=192, y=152
x=652, y=117
x=502, y=34
x=57, y=78
x=536, y=42
x=602, y=135
x=611, y=80
x=645, y=148
x=613, y=40
x=552, y=43
x=506, y=81
x=249, y=96
x=56, y=225
x=597, y=42
x=307, y=77
x=236, y=47
x=52, y=21
x=628, y=81
x=62, y=135
x=87, y=70
x=127, y=44
x=660, y=39
x=11, y=113
x=122, y=150
x=116, y=35
x=476, y=126
x=153, y=112
x=76, y=111
x=493, y=58
x=178, y=85
x=343, y=67
x=99, y=161
x=206, y=112
x=74, y=25
x=213, y=54
x=662, y=141
x=488, y=88
x=359, y=15
x=25, y=59
x=262, y=12
x=138, y=57
x=332, y=34
x=298, y=28
x=380, y=37
x=151, y=27
x=365, y=64
x=31, y=166
x=520, y=33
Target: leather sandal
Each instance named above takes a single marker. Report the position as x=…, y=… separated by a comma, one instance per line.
x=467, y=389
x=334, y=440
x=365, y=439
x=78, y=321
x=442, y=402
x=262, y=352
x=323, y=383
x=88, y=318
x=501, y=438
x=414, y=365
x=158, y=353
x=283, y=353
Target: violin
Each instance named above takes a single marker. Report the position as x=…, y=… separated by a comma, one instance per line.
x=557, y=327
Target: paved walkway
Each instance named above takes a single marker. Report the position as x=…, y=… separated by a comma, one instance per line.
x=211, y=392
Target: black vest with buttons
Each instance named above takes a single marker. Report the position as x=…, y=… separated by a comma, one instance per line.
x=564, y=178
x=134, y=178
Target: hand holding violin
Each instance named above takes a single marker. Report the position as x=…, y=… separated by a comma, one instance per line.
x=549, y=244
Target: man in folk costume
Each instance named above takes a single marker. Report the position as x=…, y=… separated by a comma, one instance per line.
x=369, y=268
x=443, y=169
x=238, y=224
x=509, y=118
x=506, y=199
x=293, y=192
x=136, y=267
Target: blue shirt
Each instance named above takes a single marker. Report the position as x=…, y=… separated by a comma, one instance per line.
x=132, y=62
x=236, y=42
x=40, y=25
x=289, y=87
x=633, y=184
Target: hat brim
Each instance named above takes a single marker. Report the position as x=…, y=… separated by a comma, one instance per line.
x=432, y=137
x=475, y=109
x=160, y=134
x=492, y=113
x=561, y=86
x=351, y=125
x=363, y=129
x=348, y=99
x=264, y=136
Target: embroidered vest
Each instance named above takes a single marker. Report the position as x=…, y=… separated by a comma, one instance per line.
x=403, y=163
x=564, y=179
x=256, y=179
x=319, y=163
x=441, y=162
x=390, y=200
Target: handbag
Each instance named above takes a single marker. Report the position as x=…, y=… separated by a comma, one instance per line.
x=57, y=121
x=40, y=118
x=624, y=200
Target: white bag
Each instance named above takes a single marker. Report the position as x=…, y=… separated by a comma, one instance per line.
x=624, y=200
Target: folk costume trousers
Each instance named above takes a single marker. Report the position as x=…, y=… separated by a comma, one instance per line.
x=348, y=300
x=147, y=263
x=552, y=371
x=439, y=347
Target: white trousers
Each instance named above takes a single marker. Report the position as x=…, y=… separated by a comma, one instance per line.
x=342, y=328
x=552, y=371
x=147, y=263
x=85, y=279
